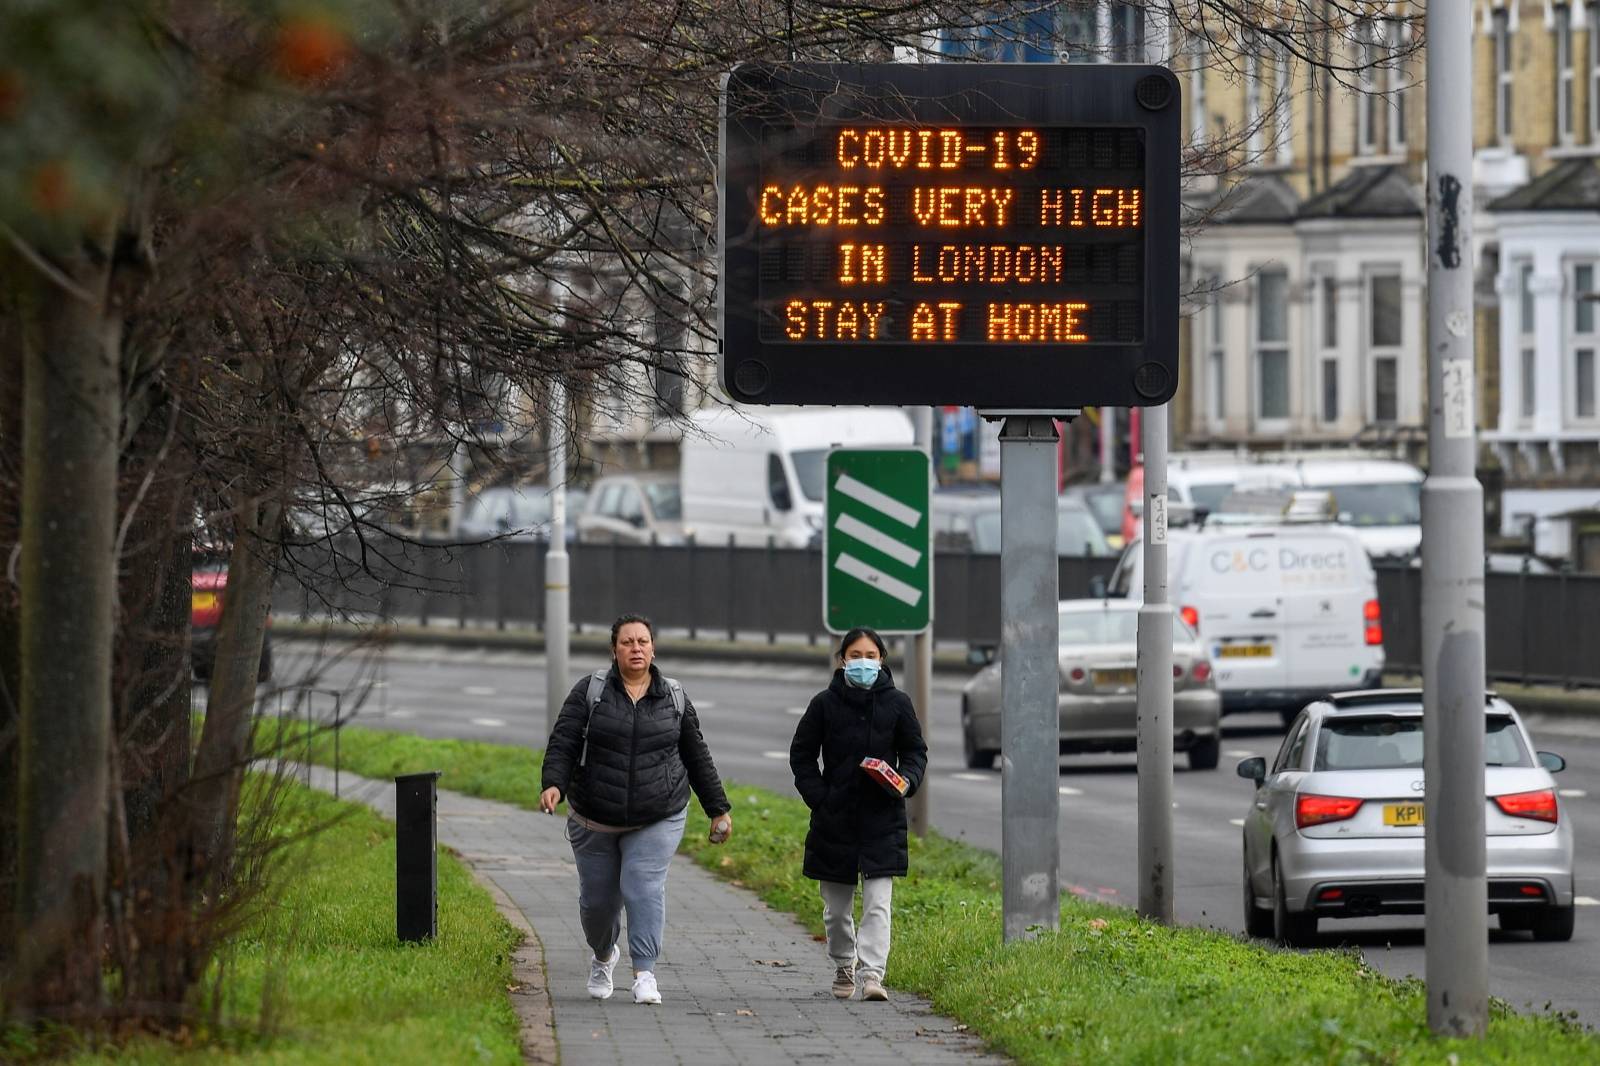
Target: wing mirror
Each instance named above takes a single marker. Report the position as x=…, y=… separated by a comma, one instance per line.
x=978, y=655
x=1253, y=769
x=1552, y=762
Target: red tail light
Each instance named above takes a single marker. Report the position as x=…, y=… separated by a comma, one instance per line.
x=1540, y=805
x=1177, y=672
x=1371, y=614
x=1076, y=674
x=1201, y=671
x=1317, y=810
x=1191, y=617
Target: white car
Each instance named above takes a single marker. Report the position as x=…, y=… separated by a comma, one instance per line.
x=1337, y=822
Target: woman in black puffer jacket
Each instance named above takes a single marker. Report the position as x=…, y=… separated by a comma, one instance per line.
x=858, y=827
x=624, y=754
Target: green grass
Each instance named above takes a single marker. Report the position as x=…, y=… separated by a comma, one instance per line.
x=343, y=990
x=1108, y=988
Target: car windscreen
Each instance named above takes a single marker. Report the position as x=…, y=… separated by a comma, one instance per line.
x=1115, y=626
x=1106, y=505
x=1395, y=503
x=1210, y=497
x=1390, y=743
x=811, y=470
x=665, y=500
x=1077, y=534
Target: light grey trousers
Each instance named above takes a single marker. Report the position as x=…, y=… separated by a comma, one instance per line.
x=625, y=871
x=867, y=947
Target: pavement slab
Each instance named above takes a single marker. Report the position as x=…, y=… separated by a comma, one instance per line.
x=740, y=983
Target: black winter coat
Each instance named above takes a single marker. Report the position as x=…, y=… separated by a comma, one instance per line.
x=643, y=758
x=857, y=825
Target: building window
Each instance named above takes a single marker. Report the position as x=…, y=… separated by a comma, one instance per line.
x=1584, y=340
x=1282, y=111
x=1527, y=367
x=1398, y=83
x=1252, y=101
x=1367, y=96
x=1593, y=12
x=1197, y=91
x=1216, y=356
x=1385, y=389
x=1328, y=293
x=1330, y=390
x=1502, y=75
x=1272, y=352
x=1525, y=299
x=1530, y=379
x=1564, y=73
x=1127, y=33
x=1385, y=311
x=1217, y=388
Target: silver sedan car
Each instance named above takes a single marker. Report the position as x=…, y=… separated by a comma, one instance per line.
x=1336, y=829
x=1098, y=698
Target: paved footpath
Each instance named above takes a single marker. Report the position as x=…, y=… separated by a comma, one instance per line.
x=740, y=983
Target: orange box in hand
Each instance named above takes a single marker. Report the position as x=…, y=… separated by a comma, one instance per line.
x=885, y=775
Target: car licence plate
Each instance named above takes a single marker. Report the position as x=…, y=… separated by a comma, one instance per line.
x=203, y=601
x=1245, y=651
x=1116, y=677
x=1402, y=814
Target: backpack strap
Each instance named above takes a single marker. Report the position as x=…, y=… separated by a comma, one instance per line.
x=597, y=686
x=675, y=690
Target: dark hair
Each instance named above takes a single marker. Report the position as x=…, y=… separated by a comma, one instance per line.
x=855, y=634
x=629, y=619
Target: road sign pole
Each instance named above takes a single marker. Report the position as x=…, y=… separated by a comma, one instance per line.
x=1030, y=800
x=556, y=589
x=1456, y=892
x=1155, y=685
x=920, y=683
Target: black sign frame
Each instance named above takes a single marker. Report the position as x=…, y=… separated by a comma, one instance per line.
x=758, y=99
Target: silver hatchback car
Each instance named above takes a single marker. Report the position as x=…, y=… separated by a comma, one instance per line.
x=1336, y=829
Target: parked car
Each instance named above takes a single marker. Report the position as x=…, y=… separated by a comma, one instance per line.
x=1287, y=611
x=970, y=521
x=1336, y=826
x=516, y=512
x=633, y=508
x=1098, y=699
x=208, y=582
x=758, y=472
x=1104, y=499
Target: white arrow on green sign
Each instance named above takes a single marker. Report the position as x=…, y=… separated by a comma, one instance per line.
x=877, y=544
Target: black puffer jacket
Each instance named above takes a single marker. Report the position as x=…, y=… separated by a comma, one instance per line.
x=857, y=826
x=643, y=758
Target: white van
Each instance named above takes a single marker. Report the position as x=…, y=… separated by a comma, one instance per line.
x=1286, y=612
x=758, y=472
x=1380, y=499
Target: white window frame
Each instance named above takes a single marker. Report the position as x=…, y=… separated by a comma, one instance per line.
x=1376, y=351
x=1325, y=304
x=1566, y=132
x=1500, y=33
x=1367, y=89
x=1252, y=100
x=1282, y=103
x=1213, y=342
x=1197, y=91
x=1260, y=348
x=1399, y=82
x=1589, y=341
x=1527, y=319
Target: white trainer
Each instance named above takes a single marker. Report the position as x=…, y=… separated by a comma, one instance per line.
x=600, y=986
x=644, y=988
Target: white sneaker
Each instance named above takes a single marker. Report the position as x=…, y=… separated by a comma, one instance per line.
x=644, y=988
x=600, y=974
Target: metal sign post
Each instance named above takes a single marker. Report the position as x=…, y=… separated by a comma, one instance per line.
x=557, y=591
x=919, y=685
x=1456, y=887
x=1155, y=685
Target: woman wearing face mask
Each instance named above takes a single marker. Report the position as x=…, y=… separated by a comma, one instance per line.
x=858, y=827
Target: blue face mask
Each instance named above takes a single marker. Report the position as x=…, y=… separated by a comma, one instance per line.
x=862, y=672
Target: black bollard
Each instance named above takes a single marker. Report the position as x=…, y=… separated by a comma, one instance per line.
x=416, y=869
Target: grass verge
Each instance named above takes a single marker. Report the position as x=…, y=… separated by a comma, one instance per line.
x=318, y=976
x=1108, y=988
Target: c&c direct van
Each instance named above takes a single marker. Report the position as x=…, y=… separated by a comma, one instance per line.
x=1287, y=613
x=758, y=472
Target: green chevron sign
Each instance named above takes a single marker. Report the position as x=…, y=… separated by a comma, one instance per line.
x=877, y=546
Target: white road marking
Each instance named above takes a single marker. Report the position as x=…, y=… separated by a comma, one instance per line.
x=965, y=776
x=890, y=586
x=1238, y=753
x=796, y=711
x=1236, y=821
x=398, y=714
x=1573, y=793
x=704, y=705
x=775, y=755
x=1068, y=790
x=878, y=501
x=1586, y=901
x=478, y=690
x=853, y=527
x=489, y=723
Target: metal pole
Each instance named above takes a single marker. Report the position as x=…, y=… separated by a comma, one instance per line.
x=1456, y=894
x=1030, y=764
x=1108, y=462
x=556, y=592
x=919, y=681
x=1155, y=685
